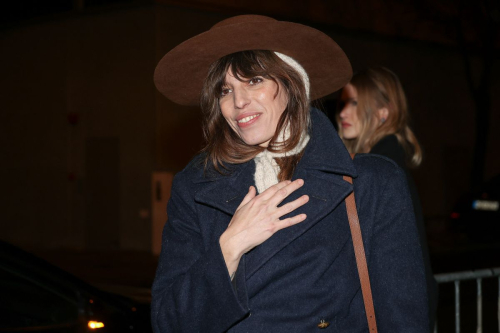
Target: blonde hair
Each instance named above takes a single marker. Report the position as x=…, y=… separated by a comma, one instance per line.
x=379, y=88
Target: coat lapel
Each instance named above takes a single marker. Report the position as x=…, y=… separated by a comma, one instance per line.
x=325, y=192
x=226, y=193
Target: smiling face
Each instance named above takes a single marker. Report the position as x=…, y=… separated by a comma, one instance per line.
x=351, y=126
x=252, y=107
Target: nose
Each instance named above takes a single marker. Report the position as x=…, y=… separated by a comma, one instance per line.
x=344, y=112
x=241, y=98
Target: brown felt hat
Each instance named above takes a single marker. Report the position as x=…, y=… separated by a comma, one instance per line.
x=181, y=72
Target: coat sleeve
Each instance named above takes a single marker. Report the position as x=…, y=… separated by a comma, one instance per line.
x=395, y=263
x=192, y=290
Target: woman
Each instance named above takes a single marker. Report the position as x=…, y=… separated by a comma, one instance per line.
x=374, y=118
x=257, y=238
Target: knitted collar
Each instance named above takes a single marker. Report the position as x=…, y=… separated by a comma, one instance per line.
x=266, y=168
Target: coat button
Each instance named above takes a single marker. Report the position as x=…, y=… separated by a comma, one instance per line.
x=323, y=324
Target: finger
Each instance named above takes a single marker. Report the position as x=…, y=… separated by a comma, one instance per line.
x=282, y=224
x=250, y=195
x=284, y=192
x=267, y=194
x=291, y=206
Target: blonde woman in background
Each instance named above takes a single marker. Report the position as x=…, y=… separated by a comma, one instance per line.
x=374, y=118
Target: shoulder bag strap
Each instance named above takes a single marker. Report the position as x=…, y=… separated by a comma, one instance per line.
x=359, y=251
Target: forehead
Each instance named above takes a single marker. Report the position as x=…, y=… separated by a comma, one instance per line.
x=231, y=77
x=349, y=92
x=237, y=75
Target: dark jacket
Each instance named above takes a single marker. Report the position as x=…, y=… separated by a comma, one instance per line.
x=302, y=274
x=390, y=147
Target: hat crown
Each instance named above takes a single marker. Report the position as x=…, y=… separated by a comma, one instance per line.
x=243, y=19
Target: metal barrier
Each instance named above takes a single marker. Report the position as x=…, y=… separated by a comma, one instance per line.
x=478, y=275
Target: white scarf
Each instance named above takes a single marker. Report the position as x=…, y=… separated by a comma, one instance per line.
x=266, y=168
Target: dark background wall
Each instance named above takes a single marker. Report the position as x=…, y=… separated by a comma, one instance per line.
x=83, y=127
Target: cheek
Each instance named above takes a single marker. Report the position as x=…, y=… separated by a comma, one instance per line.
x=223, y=108
x=232, y=124
x=281, y=102
x=226, y=114
x=354, y=115
x=225, y=111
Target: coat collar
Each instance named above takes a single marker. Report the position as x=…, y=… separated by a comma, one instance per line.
x=325, y=152
x=324, y=162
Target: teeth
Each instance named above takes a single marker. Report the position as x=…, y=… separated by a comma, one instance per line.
x=247, y=119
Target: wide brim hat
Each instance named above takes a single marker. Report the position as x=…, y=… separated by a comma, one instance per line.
x=181, y=72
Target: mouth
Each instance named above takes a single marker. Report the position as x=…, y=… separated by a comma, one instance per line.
x=345, y=125
x=248, y=120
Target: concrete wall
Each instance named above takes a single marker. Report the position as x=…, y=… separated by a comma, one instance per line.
x=83, y=127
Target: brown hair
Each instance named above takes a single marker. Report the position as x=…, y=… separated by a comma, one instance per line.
x=223, y=145
x=378, y=88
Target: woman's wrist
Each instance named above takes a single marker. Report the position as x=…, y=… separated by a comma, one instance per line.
x=231, y=255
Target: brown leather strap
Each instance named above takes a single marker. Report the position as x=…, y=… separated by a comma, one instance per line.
x=359, y=251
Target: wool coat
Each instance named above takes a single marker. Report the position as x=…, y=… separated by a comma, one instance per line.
x=304, y=274
x=390, y=147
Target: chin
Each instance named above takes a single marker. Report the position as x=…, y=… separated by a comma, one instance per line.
x=254, y=142
x=348, y=137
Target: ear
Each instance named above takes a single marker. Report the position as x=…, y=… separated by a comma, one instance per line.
x=383, y=113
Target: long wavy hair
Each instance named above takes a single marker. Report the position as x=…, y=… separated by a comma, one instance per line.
x=223, y=145
x=378, y=88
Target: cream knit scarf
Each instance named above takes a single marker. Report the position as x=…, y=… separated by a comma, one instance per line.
x=266, y=168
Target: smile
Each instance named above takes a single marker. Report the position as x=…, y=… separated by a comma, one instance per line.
x=247, y=119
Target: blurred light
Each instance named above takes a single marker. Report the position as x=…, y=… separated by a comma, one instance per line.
x=486, y=205
x=134, y=309
x=455, y=215
x=95, y=324
x=91, y=301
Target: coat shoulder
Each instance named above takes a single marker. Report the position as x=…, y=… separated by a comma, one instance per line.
x=184, y=182
x=372, y=167
x=375, y=163
x=194, y=170
x=390, y=147
x=196, y=175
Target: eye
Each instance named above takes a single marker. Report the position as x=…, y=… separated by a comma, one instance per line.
x=354, y=102
x=225, y=91
x=255, y=80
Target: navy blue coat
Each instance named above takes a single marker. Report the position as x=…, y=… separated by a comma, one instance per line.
x=305, y=273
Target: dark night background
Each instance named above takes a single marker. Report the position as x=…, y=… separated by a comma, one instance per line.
x=89, y=147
